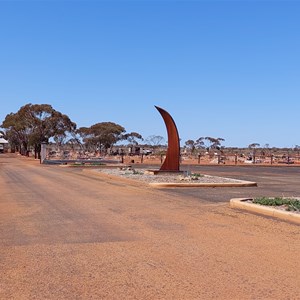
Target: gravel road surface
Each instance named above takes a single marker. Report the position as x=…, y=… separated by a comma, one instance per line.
x=70, y=234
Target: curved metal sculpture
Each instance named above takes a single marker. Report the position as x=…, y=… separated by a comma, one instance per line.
x=171, y=162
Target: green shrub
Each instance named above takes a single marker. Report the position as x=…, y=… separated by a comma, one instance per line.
x=197, y=175
x=294, y=206
x=291, y=204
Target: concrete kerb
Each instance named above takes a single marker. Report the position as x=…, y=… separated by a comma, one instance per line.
x=215, y=184
x=240, y=203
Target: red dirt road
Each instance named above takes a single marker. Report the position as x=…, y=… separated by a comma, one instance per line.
x=68, y=234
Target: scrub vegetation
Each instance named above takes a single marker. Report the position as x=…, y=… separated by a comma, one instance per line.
x=290, y=204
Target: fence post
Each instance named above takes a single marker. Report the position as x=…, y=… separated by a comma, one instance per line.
x=271, y=159
x=235, y=159
x=199, y=158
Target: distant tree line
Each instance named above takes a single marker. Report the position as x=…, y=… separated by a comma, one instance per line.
x=34, y=124
x=208, y=143
x=102, y=136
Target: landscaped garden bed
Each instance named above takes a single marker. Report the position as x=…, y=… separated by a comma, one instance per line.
x=173, y=179
x=279, y=207
x=287, y=204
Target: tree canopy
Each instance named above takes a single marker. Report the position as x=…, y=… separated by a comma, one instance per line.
x=102, y=136
x=33, y=124
x=191, y=144
x=155, y=140
x=214, y=143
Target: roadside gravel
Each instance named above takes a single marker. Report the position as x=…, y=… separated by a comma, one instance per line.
x=143, y=175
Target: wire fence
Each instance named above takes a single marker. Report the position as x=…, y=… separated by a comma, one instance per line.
x=122, y=155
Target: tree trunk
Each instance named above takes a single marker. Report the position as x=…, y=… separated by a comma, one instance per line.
x=35, y=151
x=39, y=151
x=24, y=149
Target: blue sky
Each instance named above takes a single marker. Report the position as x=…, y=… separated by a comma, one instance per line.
x=227, y=69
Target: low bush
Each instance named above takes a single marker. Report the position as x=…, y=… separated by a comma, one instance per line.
x=290, y=203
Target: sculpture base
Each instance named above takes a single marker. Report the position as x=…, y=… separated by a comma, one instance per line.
x=164, y=172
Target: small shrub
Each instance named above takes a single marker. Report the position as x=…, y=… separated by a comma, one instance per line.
x=197, y=175
x=277, y=201
x=135, y=172
x=289, y=203
x=294, y=206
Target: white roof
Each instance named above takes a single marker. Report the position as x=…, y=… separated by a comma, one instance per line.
x=3, y=141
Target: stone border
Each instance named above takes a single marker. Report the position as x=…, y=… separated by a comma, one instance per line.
x=216, y=184
x=241, y=203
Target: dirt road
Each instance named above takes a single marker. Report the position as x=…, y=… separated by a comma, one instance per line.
x=68, y=234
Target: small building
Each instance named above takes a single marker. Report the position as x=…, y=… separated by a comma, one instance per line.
x=3, y=144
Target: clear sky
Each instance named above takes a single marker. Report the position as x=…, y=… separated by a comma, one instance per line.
x=228, y=69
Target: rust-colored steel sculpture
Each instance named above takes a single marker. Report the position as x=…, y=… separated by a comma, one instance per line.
x=171, y=162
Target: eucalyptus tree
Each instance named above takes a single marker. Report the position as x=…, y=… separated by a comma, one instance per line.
x=34, y=124
x=200, y=144
x=13, y=139
x=133, y=138
x=87, y=138
x=16, y=131
x=155, y=140
x=74, y=143
x=254, y=147
x=101, y=136
x=191, y=145
x=213, y=143
x=297, y=149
